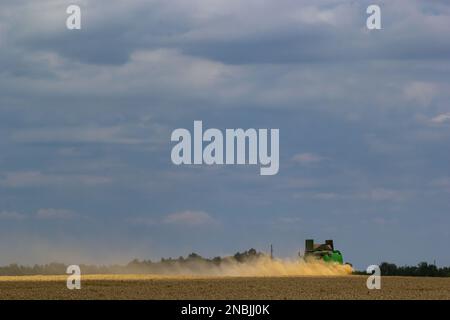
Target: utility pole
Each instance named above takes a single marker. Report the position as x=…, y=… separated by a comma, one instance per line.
x=271, y=252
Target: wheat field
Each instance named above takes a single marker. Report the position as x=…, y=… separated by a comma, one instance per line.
x=191, y=287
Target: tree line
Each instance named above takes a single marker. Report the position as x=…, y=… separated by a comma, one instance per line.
x=423, y=269
x=192, y=263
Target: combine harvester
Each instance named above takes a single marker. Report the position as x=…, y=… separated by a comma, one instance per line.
x=322, y=251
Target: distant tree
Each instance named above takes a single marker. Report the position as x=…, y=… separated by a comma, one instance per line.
x=194, y=256
x=423, y=269
x=388, y=269
x=134, y=262
x=247, y=255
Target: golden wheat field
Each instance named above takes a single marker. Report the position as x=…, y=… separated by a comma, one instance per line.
x=190, y=287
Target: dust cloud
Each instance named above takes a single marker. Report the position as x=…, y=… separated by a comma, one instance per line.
x=262, y=266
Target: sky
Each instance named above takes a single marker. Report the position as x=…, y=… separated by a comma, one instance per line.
x=86, y=117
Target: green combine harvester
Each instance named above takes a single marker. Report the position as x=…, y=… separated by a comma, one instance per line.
x=324, y=251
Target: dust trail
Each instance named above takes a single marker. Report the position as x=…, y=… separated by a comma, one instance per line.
x=264, y=266
x=253, y=266
x=258, y=267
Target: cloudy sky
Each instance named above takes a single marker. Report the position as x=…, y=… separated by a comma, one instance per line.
x=86, y=118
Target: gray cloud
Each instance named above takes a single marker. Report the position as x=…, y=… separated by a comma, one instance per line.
x=294, y=31
x=86, y=121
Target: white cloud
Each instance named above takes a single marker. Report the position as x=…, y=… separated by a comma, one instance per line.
x=381, y=194
x=376, y=194
x=326, y=196
x=190, y=218
x=41, y=214
x=420, y=92
x=307, y=158
x=54, y=214
x=22, y=179
x=113, y=134
x=12, y=215
x=183, y=218
x=142, y=221
x=442, y=118
x=290, y=220
x=442, y=183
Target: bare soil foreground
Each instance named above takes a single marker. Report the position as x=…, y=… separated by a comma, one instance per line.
x=169, y=287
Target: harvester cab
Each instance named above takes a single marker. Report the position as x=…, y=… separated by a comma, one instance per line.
x=322, y=251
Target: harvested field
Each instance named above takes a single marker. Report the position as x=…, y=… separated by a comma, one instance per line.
x=185, y=287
